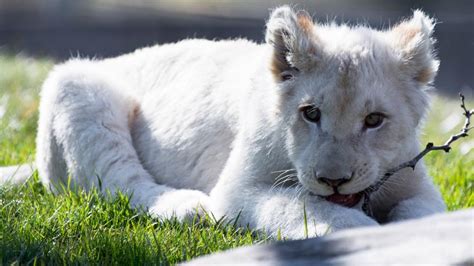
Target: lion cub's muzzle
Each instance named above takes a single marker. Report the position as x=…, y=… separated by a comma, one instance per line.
x=347, y=200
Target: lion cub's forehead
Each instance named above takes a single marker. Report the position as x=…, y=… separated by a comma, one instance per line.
x=353, y=48
x=343, y=38
x=357, y=64
x=347, y=78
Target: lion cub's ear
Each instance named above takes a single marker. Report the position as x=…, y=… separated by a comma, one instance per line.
x=292, y=37
x=413, y=38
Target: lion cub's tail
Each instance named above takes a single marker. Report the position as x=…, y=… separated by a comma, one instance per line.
x=17, y=174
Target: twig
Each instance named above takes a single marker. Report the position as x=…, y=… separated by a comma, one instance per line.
x=446, y=147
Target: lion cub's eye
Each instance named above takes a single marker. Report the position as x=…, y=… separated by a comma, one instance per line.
x=373, y=120
x=287, y=75
x=311, y=113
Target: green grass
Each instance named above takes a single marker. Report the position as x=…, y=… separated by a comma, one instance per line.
x=86, y=228
x=20, y=81
x=453, y=172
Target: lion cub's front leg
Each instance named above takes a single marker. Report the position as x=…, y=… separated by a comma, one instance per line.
x=84, y=135
x=426, y=201
x=284, y=212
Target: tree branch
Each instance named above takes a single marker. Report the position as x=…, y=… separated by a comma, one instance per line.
x=446, y=147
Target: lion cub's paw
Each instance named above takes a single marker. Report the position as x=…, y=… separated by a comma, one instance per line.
x=351, y=219
x=183, y=204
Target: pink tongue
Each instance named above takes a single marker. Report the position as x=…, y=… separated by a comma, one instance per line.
x=344, y=200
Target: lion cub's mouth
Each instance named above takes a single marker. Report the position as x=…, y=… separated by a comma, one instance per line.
x=349, y=200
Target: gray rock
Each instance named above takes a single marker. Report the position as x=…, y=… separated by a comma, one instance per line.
x=440, y=239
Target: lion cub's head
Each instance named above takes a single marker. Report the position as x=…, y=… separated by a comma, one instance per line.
x=351, y=98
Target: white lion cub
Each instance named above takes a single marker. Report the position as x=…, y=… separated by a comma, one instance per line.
x=301, y=123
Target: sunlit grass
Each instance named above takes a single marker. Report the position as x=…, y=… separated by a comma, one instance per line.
x=453, y=171
x=86, y=228
x=20, y=82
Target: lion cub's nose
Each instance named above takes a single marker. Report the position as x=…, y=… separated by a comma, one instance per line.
x=333, y=182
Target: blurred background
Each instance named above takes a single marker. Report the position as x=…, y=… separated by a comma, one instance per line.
x=58, y=29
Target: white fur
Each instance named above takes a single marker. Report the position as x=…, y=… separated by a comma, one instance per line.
x=15, y=175
x=205, y=123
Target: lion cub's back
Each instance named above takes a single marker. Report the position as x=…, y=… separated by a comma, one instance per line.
x=190, y=94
